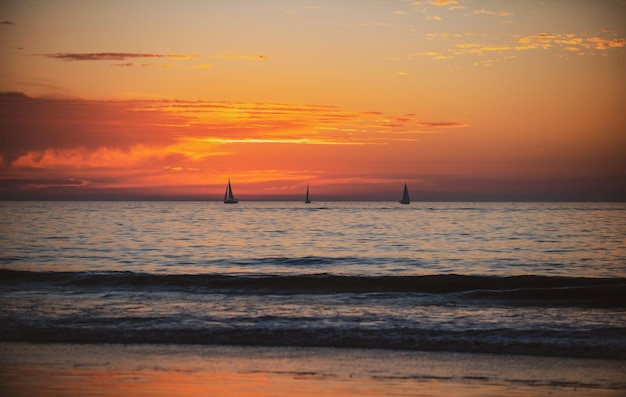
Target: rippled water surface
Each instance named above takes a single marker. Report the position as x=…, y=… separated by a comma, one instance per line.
x=527, y=278
x=339, y=238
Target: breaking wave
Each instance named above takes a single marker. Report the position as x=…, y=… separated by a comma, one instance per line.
x=531, y=289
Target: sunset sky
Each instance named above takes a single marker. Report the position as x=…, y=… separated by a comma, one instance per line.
x=460, y=99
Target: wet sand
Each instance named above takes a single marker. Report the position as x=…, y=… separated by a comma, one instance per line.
x=162, y=370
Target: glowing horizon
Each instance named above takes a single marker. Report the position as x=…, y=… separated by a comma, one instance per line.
x=463, y=100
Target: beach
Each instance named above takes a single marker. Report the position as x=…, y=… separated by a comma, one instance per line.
x=185, y=370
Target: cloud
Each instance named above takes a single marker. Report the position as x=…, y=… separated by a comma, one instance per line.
x=449, y=4
x=7, y=23
x=603, y=44
x=441, y=124
x=111, y=56
x=432, y=54
x=496, y=13
x=34, y=125
x=496, y=48
x=505, y=49
x=125, y=56
x=570, y=42
x=240, y=56
x=51, y=133
x=55, y=147
x=41, y=183
x=442, y=3
x=443, y=36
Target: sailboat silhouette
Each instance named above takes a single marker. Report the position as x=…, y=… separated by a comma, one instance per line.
x=228, y=195
x=405, y=196
x=307, y=200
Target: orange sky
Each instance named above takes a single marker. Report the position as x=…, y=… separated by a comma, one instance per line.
x=463, y=100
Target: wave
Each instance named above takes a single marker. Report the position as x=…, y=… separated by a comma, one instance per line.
x=522, y=289
x=135, y=308
x=594, y=343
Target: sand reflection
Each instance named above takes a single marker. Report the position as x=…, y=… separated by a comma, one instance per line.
x=115, y=370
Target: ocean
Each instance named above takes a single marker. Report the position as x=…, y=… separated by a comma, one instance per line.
x=531, y=279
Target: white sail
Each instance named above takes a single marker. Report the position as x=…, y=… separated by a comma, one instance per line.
x=405, y=196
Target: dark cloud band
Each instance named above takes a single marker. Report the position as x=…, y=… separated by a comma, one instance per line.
x=112, y=56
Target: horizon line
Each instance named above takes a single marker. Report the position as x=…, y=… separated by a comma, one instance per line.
x=182, y=199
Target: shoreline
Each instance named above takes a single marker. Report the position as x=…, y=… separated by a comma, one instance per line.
x=192, y=370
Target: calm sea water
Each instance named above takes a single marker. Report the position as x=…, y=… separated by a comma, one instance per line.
x=505, y=278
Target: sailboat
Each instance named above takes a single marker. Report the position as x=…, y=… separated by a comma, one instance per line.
x=307, y=200
x=228, y=196
x=405, y=196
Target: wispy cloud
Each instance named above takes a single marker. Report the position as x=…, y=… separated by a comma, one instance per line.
x=443, y=36
x=164, y=66
x=466, y=45
x=112, y=56
x=35, y=127
x=241, y=56
x=431, y=54
x=41, y=183
x=441, y=124
x=548, y=40
x=495, y=13
x=74, y=144
x=449, y=4
x=443, y=3
x=7, y=23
